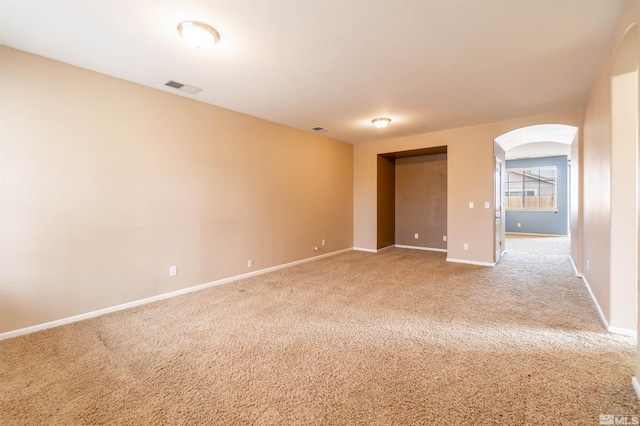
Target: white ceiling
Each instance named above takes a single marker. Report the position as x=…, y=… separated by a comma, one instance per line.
x=538, y=149
x=428, y=65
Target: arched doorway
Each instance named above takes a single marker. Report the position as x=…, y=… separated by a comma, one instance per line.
x=536, y=179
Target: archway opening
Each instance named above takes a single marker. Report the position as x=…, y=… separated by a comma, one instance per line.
x=536, y=187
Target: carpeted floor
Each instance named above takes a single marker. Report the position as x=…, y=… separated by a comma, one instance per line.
x=399, y=337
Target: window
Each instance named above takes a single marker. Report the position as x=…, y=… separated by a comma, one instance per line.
x=532, y=188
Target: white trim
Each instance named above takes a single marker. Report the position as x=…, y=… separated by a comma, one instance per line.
x=99, y=312
x=470, y=262
x=622, y=331
x=365, y=249
x=384, y=248
x=611, y=329
x=421, y=248
x=636, y=385
x=536, y=235
x=595, y=302
x=529, y=210
x=578, y=274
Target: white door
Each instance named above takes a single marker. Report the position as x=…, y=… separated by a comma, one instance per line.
x=498, y=209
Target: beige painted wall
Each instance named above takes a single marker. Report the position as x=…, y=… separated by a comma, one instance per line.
x=576, y=199
x=470, y=154
x=421, y=201
x=105, y=184
x=596, y=169
x=624, y=191
x=610, y=187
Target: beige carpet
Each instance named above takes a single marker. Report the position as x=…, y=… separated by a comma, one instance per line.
x=399, y=337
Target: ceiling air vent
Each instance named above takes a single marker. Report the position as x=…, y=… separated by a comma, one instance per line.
x=183, y=87
x=320, y=130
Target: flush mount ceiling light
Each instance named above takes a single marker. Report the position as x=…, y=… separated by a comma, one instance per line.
x=198, y=34
x=381, y=123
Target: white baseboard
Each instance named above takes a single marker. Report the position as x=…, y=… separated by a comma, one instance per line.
x=575, y=269
x=421, y=248
x=470, y=262
x=595, y=302
x=622, y=331
x=365, y=249
x=636, y=385
x=536, y=235
x=99, y=312
x=610, y=328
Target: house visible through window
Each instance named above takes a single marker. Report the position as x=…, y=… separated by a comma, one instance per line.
x=532, y=188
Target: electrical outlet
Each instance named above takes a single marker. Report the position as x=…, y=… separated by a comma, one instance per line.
x=470, y=204
x=588, y=265
x=323, y=243
x=250, y=263
x=444, y=238
x=486, y=204
x=466, y=246
x=415, y=235
x=172, y=271
x=519, y=225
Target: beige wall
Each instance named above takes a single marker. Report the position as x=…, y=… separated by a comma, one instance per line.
x=624, y=136
x=596, y=192
x=105, y=184
x=609, y=245
x=470, y=155
x=421, y=201
x=576, y=200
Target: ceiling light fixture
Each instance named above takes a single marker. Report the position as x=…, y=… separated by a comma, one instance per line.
x=381, y=123
x=198, y=34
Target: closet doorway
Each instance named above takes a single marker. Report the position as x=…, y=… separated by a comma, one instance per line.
x=412, y=199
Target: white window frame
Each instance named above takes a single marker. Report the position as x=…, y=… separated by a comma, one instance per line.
x=522, y=191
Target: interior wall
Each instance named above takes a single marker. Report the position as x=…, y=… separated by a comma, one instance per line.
x=421, y=201
x=624, y=185
x=386, y=201
x=106, y=184
x=575, y=204
x=543, y=222
x=596, y=190
x=603, y=186
x=470, y=164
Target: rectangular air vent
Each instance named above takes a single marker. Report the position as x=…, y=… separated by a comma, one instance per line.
x=183, y=87
x=320, y=130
